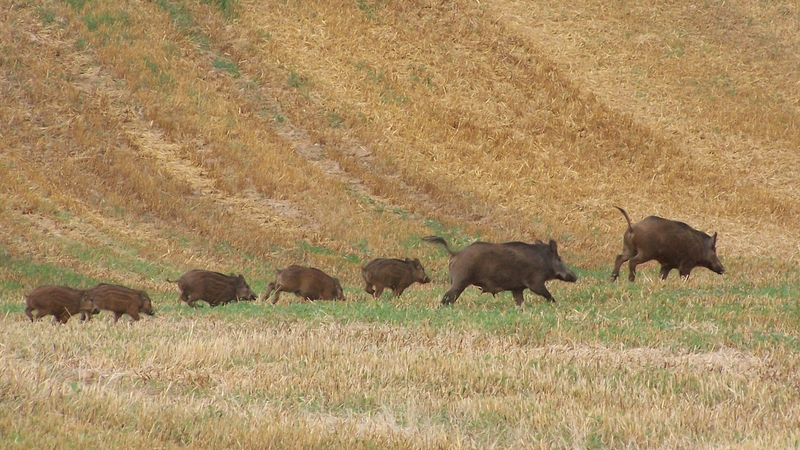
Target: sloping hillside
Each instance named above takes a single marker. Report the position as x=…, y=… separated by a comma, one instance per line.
x=168, y=134
x=143, y=138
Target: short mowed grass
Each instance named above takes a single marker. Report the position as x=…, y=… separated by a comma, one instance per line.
x=710, y=361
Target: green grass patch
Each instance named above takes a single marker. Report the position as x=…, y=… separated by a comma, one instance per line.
x=296, y=80
x=228, y=7
x=228, y=66
x=178, y=13
x=94, y=21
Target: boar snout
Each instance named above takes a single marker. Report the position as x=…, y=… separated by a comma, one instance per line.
x=567, y=275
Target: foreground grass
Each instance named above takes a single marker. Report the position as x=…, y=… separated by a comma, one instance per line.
x=712, y=362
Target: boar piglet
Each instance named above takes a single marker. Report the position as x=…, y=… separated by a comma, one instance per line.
x=673, y=244
x=305, y=282
x=61, y=302
x=121, y=300
x=510, y=266
x=395, y=274
x=213, y=287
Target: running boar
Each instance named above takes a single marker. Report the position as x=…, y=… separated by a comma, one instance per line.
x=674, y=245
x=396, y=274
x=213, y=287
x=305, y=282
x=511, y=266
x=61, y=302
x=121, y=300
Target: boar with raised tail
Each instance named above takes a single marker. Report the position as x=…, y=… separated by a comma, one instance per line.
x=213, y=287
x=305, y=282
x=674, y=245
x=121, y=300
x=395, y=274
x=61, y=302
x=510, y=266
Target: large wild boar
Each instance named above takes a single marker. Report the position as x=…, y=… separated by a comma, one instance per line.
x=395, y=274
x=61, y=302
x=305, y=282
x=510, y=266
x=213, y=287
x=674, y=245
x=121, y=300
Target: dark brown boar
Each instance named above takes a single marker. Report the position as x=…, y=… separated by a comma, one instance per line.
x=61, y=302
x=674, y=245
x=213, y=287
x=510, y=266
x=395, y=274
x=305, y=282
x=121, y=300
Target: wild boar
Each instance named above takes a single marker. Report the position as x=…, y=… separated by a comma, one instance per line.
x=673, y=244
x=510, y=266
x=61, y=302
x=396, y=274
x=305, y=282
x=213, y=287
x=121, y=300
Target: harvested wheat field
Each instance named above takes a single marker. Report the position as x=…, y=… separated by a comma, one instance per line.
x=141, y=139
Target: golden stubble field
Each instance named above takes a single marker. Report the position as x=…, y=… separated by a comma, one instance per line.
x=141, y=139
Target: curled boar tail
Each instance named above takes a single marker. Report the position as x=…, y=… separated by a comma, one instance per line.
x=440, y=241
x=630, y=227
x=170, y=281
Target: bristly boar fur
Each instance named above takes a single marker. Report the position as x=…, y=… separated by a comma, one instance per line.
x=61, y=302
x=212, y=287
x=510, y=266
x=673, y=244
x=305, y=282
x=121, y=300
x=395, y=274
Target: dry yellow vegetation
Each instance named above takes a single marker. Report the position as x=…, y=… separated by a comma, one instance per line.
x=141, y=139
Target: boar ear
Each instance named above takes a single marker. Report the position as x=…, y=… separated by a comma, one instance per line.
x=553, y=247
x=714, y=240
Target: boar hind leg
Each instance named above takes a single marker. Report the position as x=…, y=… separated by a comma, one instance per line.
x=28, y=313
x=117, y=315
x=626, y=255
x=369, y=290
x=633, y=262
x=519, y=297
x=277, y=294
x=188, y=300
x=452, y=294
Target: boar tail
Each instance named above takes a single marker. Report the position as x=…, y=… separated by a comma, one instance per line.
x=630, y=227
x=170, y=281
x=440, y=241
